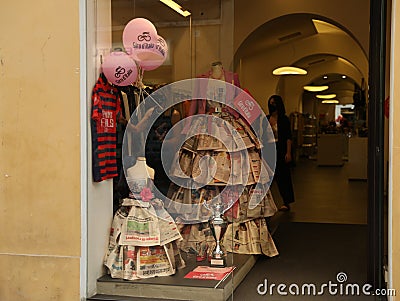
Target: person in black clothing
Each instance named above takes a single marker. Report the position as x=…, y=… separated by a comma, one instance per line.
x=280, y=125
x=154, y=143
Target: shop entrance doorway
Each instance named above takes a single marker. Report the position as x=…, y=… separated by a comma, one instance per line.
x=361, y=65
x=376, y=125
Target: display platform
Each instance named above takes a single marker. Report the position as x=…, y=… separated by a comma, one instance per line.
x=177, y=287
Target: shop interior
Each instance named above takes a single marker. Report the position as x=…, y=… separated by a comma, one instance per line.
x=325, y=231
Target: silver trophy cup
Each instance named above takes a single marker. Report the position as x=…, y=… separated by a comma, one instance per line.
x=217, y=223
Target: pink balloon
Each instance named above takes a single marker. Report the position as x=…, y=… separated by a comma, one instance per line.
x=140, y=39
x=161, y=50
x=119, y=68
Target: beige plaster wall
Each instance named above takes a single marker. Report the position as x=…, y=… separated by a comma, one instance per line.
x=39, y=150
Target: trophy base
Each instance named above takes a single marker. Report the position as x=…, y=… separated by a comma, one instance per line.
x=217, y=262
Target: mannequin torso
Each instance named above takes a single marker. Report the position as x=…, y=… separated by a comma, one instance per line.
x=139, y=175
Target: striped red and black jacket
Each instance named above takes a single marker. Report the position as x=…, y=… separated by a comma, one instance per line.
x=106, y=108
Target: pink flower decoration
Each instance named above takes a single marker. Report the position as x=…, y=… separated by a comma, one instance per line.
x=146, y=194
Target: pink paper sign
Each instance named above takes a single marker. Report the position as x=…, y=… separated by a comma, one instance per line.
x=247, y=106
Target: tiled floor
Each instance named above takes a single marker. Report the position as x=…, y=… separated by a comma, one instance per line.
x=325, y=195
x=311, y=254
x=324, y=234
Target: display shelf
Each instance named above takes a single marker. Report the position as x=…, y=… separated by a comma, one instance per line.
x=177, y=287
x=309, y=136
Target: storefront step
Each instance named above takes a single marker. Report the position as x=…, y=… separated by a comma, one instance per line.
x=101, y=297
x=177, y=287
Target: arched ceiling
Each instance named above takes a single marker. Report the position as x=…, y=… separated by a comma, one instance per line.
x=292, y=31
x=343, y=84
x=282, y=30
x=304, y=40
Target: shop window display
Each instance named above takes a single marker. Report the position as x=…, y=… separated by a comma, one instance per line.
x=224, y=178
x=216, y=199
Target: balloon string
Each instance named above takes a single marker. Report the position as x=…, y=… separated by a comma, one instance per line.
x=141, y=87
x=152, y=98
x=139, y=84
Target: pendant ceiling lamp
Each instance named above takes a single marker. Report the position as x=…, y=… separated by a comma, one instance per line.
x=289, y=70
x=315, y=88
x=326, y=96
x=330, y=101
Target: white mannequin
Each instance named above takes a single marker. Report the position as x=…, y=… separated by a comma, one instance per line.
x=139, y=175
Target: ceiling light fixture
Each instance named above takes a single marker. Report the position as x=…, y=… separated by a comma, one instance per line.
x=344, y=76
x=288, y=70
x=315, y=88
x=326, y=96
x=330, y=101
x=324, y=27
x=176, y=7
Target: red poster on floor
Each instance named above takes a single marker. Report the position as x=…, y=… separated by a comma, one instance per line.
x=209, y=273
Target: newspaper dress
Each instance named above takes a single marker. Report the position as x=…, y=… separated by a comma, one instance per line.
x=143, y=239
x=216, y=162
